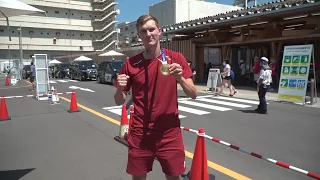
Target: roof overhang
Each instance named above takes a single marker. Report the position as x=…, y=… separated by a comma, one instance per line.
x=248, y=16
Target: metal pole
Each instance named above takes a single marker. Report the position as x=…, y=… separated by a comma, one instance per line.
x=311, y=91
x=20, y=49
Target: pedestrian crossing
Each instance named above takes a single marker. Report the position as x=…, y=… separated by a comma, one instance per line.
x=62, y=81
x=203, y=105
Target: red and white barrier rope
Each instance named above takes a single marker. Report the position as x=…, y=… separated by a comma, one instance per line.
x=279, y=163
x=36, y=95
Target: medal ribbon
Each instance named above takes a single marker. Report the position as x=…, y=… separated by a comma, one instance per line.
x=164, y=61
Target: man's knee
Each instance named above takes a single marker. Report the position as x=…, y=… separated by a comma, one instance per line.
x=142, y=177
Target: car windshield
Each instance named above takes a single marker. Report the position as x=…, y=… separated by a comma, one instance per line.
x=64, y=66
x=88, y=65
x=27, y=67
x=117, y=65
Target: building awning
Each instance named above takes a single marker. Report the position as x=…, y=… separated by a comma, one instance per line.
x=270, y=9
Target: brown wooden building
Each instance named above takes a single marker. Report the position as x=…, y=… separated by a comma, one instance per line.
x=240, y=35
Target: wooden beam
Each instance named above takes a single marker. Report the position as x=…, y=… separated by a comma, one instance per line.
x=299, y=32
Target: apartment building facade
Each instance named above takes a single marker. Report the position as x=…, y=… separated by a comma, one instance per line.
x=69, y=27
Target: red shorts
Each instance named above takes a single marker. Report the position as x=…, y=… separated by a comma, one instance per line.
x=169, y=150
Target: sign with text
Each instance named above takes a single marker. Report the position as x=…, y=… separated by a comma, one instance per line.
x=294, y=73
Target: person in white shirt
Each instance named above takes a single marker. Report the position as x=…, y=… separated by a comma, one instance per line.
x=226, y=78
x=263, y=82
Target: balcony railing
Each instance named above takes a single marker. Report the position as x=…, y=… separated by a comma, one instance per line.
x=105, y=26
x=105, y=15
x=104, y=6
x=105, y=35
x=106, y=44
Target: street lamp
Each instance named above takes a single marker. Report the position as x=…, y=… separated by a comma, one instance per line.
x=20, y=49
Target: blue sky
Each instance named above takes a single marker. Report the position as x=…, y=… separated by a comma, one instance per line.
x=130, y=10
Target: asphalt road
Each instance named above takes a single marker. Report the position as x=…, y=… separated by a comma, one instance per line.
x=80, y=145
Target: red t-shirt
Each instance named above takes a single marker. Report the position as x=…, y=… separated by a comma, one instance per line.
x=154, y=95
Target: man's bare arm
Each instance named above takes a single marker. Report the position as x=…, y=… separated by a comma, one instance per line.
x=188, y=87
x=120, y=96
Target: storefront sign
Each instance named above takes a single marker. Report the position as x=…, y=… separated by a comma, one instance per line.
x=294, y=73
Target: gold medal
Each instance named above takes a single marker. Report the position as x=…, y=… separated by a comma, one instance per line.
x=164, y=69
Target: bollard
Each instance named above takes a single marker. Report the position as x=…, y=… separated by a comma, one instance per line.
x=311, y=91
x=212, y=89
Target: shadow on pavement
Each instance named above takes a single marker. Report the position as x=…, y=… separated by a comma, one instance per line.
x=185, y=176
x=14, y=174
x=248, y=111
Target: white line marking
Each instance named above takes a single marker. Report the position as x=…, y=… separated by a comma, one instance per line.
x=181, y=99
x=193, y=111
x=181, y=116
x=205, y=106
x=236, y=100
x=116, y=111
x=111, y=107
x=63, y=81
x=52, y=82
x=223, y=103
x=73, y=80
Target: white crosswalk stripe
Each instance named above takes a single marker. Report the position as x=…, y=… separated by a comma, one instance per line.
x=223, y=103
x=202, y=105
x=61, y=81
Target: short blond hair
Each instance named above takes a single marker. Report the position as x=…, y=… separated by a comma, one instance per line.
x=145, y=18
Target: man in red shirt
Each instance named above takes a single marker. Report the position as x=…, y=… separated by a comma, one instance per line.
x=155, y=128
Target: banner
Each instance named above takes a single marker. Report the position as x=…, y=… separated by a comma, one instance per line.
x=294, y=73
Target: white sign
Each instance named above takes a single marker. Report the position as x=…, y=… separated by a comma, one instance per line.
x=213, y=77
x=42, y=75
x=295, y=73
x=83, y=89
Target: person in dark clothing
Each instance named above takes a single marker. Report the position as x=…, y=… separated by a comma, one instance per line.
x=264, y=81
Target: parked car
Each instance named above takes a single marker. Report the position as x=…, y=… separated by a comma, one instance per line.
x=26, y=71
x=62, y=70
x=108, y=70
x=83, y=70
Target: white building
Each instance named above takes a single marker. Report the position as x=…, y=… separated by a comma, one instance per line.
x=171, y=12
x=176, y=11
x=71, y=27
x=127, y=34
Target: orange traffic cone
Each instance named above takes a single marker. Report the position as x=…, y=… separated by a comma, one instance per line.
x=3, y=110
x=124, y=126
x=7, y=81
x=199, y=166
x=73, y=104
x=130, y=121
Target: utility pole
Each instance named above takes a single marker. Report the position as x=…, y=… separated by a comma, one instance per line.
x=21, y=54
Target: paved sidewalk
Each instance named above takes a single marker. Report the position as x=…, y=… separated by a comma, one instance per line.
x=247, y=93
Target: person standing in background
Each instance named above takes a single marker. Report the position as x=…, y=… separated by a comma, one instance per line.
x=264, y=81
x=33, y=76
x=226, y=78
x=194, y=72
x=242, y=67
